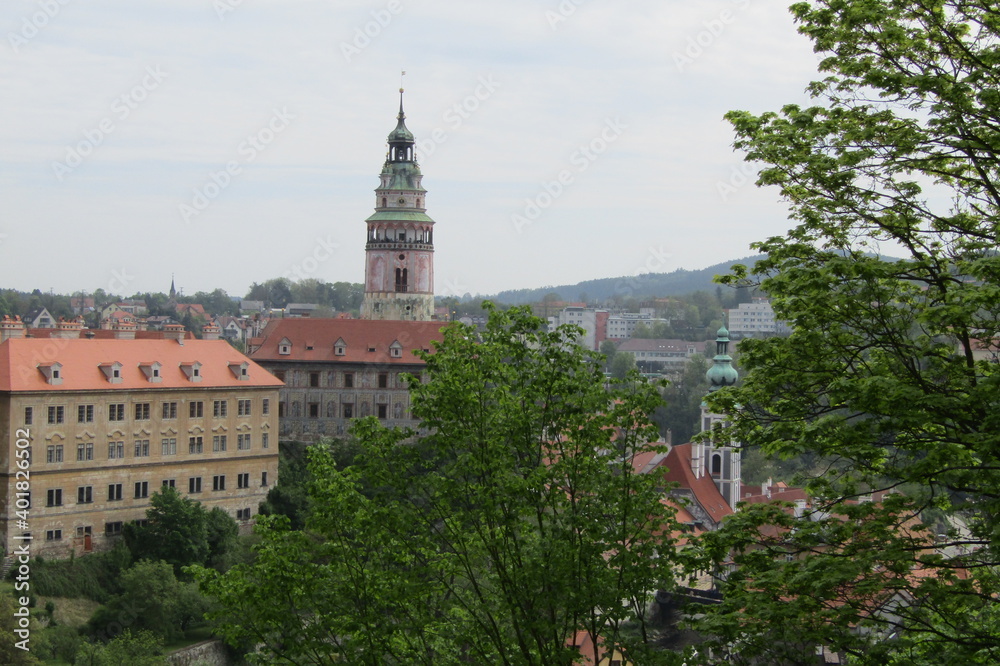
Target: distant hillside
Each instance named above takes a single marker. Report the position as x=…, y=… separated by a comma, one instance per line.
x=643, y=286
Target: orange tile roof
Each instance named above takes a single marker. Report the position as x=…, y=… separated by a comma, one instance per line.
x=678, y=464
x=81, y=361
x=359, y=335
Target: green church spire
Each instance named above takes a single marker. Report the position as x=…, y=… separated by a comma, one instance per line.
x=722, y=373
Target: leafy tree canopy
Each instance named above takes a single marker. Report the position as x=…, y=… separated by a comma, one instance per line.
x=515, y=522
x=889, y=369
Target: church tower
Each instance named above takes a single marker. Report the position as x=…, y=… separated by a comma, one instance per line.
x=719, y=460
x=399, y=254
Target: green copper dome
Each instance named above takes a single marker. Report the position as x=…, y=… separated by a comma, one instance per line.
x=722, y=373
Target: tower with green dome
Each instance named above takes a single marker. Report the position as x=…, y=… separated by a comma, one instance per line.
x=399, y=254
x=719, y=460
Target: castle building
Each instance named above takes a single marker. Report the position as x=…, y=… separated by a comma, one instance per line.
x=93, y=427
x=336, y=370
x=399, y=254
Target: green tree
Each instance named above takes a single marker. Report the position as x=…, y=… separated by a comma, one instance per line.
x=221, y=533
x=888, y=368
x=175, y=531
x=609, y=348
x=9, y=624
x=153, y=600
x=127, y=649
x=622, y=364
x=516, y=522
x=681, y=411
x=290, y=498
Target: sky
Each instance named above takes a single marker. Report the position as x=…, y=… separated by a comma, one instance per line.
x=225, y=142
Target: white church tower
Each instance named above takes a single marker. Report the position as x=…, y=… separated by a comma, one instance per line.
x=719, y=460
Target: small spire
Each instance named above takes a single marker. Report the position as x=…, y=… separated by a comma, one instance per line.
x=402, y=73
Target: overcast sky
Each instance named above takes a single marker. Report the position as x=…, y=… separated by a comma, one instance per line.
x=232, y=141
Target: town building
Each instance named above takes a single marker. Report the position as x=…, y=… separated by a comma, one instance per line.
x=399, y=254
x=335, y=370
x=661, y=355
x=93, y=426
x=40, y=318
x=622, y=325
x=593, y=322
x=755, y=319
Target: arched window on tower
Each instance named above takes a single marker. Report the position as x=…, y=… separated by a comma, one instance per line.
x=401, y=275
x=385, y=202
x=716, y=465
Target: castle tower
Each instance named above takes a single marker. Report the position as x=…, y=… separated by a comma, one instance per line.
x=399, y=254
x=719, y=460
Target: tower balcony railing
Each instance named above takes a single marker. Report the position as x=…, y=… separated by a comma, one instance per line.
x=398, y=245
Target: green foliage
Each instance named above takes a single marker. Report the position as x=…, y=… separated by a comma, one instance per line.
x=57, y=643
x=621, y=365
x=517, y=521
x=9, y=652
x=221, y=533
x=177, y=531
x=682, y=399
x=609, y=349
x=143, y=648
x=884, y=371
x=93, y=577
x=290, y=498
x=153, y=600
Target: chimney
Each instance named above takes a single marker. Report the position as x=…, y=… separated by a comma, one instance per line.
x=124, y=330
x=11, y=328
x=210, y=331
x=697, y=450
x=174, y=332
x=69, y=330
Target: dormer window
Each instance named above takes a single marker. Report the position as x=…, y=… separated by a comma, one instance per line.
x=339, y=347
x=396, y=349
x=285, y=346
x=152, y=371
x=240, y=370
x=192, y=370
x=52, y=372
x=113, y=371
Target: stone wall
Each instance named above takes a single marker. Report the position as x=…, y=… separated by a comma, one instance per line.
x=206, y=653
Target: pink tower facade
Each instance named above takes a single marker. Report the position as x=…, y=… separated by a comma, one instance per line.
x=399, y=254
